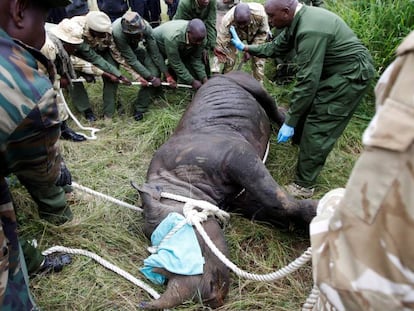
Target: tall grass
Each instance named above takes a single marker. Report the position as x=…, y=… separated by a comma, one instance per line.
x=122, y=154
x=380, y=24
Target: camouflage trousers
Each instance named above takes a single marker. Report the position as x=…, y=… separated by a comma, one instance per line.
x=17, y=295
x=257, y=64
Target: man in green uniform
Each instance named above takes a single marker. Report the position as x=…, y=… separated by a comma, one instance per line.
x=29, y=131
x=361, y=236
x=181, y=42
x=334, y=72
x=134, y=38
x=99, y=49
x=206, y=10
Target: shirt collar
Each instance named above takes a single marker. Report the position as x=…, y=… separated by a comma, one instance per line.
x=298, y=7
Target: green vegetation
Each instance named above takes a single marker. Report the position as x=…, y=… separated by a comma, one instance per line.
x=122, y=154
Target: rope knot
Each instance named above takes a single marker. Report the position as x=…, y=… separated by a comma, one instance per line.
x=192, y=215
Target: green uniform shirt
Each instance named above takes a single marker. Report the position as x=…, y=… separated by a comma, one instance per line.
x=173, y=44
x=189, y=9
x=86, y=52
x=324, y=46
x=147, y=45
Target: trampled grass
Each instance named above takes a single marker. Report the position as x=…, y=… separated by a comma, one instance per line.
x=122, y=154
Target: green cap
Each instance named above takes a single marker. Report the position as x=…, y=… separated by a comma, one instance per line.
x=53, y=3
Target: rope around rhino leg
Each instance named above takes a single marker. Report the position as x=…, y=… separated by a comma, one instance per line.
x=194, y=217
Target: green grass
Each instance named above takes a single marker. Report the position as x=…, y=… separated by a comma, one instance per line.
x=122, y=154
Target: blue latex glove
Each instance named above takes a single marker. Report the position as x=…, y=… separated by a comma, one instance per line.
x=285, y=133
x=236, y=40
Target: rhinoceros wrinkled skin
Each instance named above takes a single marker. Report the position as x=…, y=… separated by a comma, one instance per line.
x=214, y=153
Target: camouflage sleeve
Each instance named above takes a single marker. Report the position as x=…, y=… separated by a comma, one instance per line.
x=30, y=125
x=262, y=24
x=223, y=32
x=84, y=66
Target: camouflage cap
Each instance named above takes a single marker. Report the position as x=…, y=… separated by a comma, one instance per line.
x=68, y=31
x=53, y=3
x=132, y=23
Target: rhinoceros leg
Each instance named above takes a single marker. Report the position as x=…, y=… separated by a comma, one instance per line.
x=247, y=205
x=210, y=288
x=267, y=198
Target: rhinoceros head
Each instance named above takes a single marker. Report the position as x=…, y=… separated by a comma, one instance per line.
x=209, y=288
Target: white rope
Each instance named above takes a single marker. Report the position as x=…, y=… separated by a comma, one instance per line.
x=92, y=129
x=104, y=263
x=208, y=208
x=195, y=218
x=154, y=249
x=186, y=86
x=105, y=197
x=311, y=300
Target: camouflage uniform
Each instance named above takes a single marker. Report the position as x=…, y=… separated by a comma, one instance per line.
x=363, y=257
x=256, y=33
x=29, y=131
x=222, y=9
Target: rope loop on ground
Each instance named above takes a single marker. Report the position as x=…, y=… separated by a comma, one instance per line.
x=106, y=264
x=70, y=113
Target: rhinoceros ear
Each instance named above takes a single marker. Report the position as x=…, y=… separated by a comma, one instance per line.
x=153, y=191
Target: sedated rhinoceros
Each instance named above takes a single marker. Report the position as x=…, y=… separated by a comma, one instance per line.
x=214, y=153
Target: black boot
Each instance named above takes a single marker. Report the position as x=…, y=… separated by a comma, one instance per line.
x=54, y=263
x=89, y=115
x=138, y=116
x=67, y=133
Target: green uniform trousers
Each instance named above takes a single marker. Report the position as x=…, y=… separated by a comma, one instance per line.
x=51, y=202
x=32, y=255
x=80, y=97
x=145, y=94
x=336, y=100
